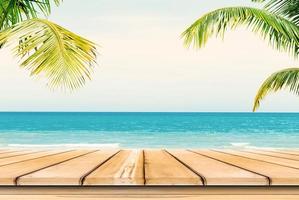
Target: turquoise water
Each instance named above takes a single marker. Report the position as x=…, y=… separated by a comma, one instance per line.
x=152, y=130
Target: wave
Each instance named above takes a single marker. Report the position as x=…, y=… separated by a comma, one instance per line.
x=246, y=145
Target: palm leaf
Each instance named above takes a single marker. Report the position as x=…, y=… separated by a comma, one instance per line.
x=15, y=11
x=258, y=1
x=287, y=78
x=286, y=8
x=49, y=50
x=281, y=33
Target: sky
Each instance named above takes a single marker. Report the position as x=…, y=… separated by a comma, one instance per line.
x=144, y=66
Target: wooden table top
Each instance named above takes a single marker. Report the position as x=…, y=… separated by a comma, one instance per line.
x=87, y=167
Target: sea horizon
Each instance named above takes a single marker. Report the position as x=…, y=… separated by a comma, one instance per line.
x=260, y=112
x=149, y=129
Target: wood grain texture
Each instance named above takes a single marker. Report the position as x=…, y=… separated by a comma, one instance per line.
x=125, y=168
x=10, y=173
x=67, y=173
x=28, y=156
x=216, y=172
x=149, y=167
x=274, y=154
x=149, y=190
x=162, y=169
x=2, y=151
x=9, y=154
x=266, y=158
x=277, y=174
x=292, y=152
x=146, y=193
x=147, y=197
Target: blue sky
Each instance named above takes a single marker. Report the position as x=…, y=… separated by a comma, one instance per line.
x=143, y=65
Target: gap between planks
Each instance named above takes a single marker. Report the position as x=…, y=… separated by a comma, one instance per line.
x=181, y=166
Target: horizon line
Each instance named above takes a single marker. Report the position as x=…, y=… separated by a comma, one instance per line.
x=261, y=112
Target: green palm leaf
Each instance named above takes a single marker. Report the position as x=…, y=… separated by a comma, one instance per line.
x=281, y=33
x=15, y=11
x=286, y=8
x=49, y=50
x=287, y=78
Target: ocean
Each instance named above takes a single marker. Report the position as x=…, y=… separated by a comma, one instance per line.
x=149, y=130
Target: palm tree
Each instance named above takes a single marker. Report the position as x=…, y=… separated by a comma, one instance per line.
x=277, y=22
x=45, y=48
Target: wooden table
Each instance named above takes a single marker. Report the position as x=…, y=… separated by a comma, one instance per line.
x=274, y=174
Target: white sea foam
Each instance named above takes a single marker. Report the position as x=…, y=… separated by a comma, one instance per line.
x=64, y=146
x=271, y=148
x=245, y=145
x=240, y=144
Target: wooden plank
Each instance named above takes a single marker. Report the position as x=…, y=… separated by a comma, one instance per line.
x=7, y=150
x=287, y=151
x=150, y=197
x=10, y=173
x=162, y=169
x=13, y=153
x=156, y=190
x=277, y=174
x=162, y=193
x=274, y=154
x=265, y=158
x=216, y=172
x=134, y=193
x=125, y=168
x=67, y=173
x=158, y=193
x=29, y=156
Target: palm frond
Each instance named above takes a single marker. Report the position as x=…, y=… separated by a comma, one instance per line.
x=281, y=33
x=258, y=1
x=49, y=50
x=286, y=8
x=15, y=11
x=287, y=78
